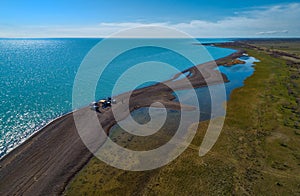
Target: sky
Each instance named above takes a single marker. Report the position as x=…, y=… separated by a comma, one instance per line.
x=101, y=18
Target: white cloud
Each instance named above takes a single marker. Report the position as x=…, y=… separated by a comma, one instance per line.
x=278, y=20
x=272, y=32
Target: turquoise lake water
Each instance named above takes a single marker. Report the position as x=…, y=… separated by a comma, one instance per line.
x=37, y=75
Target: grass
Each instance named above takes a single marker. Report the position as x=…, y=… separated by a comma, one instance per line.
x=291, y=46
x=256, y=154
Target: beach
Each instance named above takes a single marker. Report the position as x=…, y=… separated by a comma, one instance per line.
x=149, y=98
x=46, y=162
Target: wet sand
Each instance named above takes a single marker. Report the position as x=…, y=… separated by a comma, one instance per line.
x=46, y=162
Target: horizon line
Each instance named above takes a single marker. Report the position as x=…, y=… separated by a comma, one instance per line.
x=94, y=37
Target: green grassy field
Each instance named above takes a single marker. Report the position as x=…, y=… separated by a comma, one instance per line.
x=258, y=152
x=290, y=46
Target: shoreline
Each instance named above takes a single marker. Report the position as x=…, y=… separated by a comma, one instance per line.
x=66, y=154
x=40, y=128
